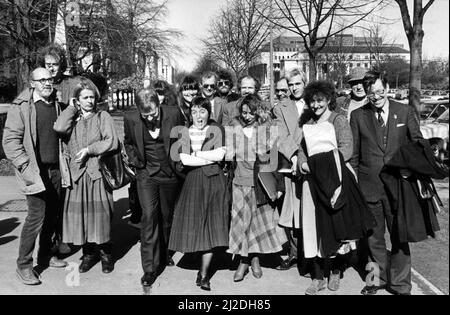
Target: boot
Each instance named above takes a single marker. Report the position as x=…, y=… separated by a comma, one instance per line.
x=256, y=268
x=88, y=262
x=240, y=272
x=107, y=262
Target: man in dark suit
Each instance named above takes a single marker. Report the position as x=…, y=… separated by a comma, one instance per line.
x=208, y=88
x=379, y=129
x=147, y=142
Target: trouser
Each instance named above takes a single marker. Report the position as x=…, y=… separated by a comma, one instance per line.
x=394, y=269
x=91, y=249
x=292, y=239
x=323, y=267
x=157, y=196
x=44, y=211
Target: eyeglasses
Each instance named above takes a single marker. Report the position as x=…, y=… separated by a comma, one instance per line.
x=378, y=93
x=44, y=81
x=208, y=86
x=188, y=87
x=281, y=90
x=48, y=65
x=223, y=83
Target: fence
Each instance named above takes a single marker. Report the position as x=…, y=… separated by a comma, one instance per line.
x=122, y=99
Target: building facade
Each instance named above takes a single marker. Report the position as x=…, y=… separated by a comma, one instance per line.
x=341, y=54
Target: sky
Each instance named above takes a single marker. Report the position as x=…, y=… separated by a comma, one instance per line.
x=192, y=17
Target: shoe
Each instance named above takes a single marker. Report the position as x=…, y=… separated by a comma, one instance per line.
x=316, y=286
x=88, y=262
x=205, y=284
x=55, y=262
x=107, y=262
x=372, y=289
x=147, y=281
x=334, y=282
x=28, y=276
x=288, y=263
x=64, y=248
x=241, y=272
x=170, y=262
x=256, y=268
x=199, y=279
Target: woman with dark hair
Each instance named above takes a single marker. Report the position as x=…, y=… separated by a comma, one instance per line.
x=188, y=89
x=254, y=223
x=200, y=221
x=89, y=204
x=334, y=212
x=165, y=93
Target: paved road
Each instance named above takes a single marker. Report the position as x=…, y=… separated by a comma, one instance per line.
x=124, y=280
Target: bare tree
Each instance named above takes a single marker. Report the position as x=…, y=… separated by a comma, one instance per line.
x=414, y=33
x=238, y=33
x=378, y=42
x=315, y=21
x=26, y=24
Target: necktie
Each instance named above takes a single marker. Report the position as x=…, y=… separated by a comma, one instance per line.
x=379, y=117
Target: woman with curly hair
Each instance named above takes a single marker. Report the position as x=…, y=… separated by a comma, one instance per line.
x=334, y=212
x=254, y=223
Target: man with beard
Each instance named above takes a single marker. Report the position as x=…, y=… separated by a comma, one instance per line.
x=224, y=86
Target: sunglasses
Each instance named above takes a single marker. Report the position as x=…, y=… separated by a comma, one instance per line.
x=188, y=87
x=223, y=83
x=281, y=90
x=43, y=81
x=207, y=86
x=159, y=91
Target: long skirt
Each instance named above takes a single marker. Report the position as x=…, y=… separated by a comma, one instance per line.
x=201, y=216
x=88, y=212
x=254, y=230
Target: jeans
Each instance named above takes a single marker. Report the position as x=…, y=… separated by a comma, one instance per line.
x=44, y=212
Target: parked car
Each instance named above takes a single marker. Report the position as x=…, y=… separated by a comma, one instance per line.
x=402, y=94
x=435, y=124
x=392, y=93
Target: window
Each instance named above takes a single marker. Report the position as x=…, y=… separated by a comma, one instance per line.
x=358, y=64
x=366, y=65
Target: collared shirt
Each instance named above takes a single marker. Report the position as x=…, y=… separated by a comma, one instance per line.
x=384, y=112
x=37, y=97
x=212, y=108
x=300, y=106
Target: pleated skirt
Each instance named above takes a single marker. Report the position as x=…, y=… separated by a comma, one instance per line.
x=201, y=217
x=88, y=210
x=254, y=230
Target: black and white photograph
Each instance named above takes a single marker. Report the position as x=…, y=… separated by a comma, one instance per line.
x=224, y=154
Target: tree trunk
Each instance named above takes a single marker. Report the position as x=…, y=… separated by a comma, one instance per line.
x=415, y=78
x=312, y=67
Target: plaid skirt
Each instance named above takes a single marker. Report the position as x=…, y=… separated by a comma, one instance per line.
x=254, y=230
x=88, y=209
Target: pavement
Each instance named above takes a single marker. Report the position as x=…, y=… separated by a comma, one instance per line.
x=125, y=280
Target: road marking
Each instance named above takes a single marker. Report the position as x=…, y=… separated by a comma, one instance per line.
x=430, y=286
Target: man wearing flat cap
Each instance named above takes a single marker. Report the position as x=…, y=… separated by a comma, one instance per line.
x=357, y=97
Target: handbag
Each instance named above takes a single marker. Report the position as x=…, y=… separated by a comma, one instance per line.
x=115, y=168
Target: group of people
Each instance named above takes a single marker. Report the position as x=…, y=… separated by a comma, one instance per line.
x=205, y=178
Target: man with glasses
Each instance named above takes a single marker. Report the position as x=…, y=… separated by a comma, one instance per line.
x=379, y=129
x=282, y=90
x=33, y=147
x=208, y=89
x=225, y=85
x=147, y=142
x=357, y=98
x=287, y=117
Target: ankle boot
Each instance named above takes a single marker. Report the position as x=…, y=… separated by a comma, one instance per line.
x=107, y=262
x=88, y=262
